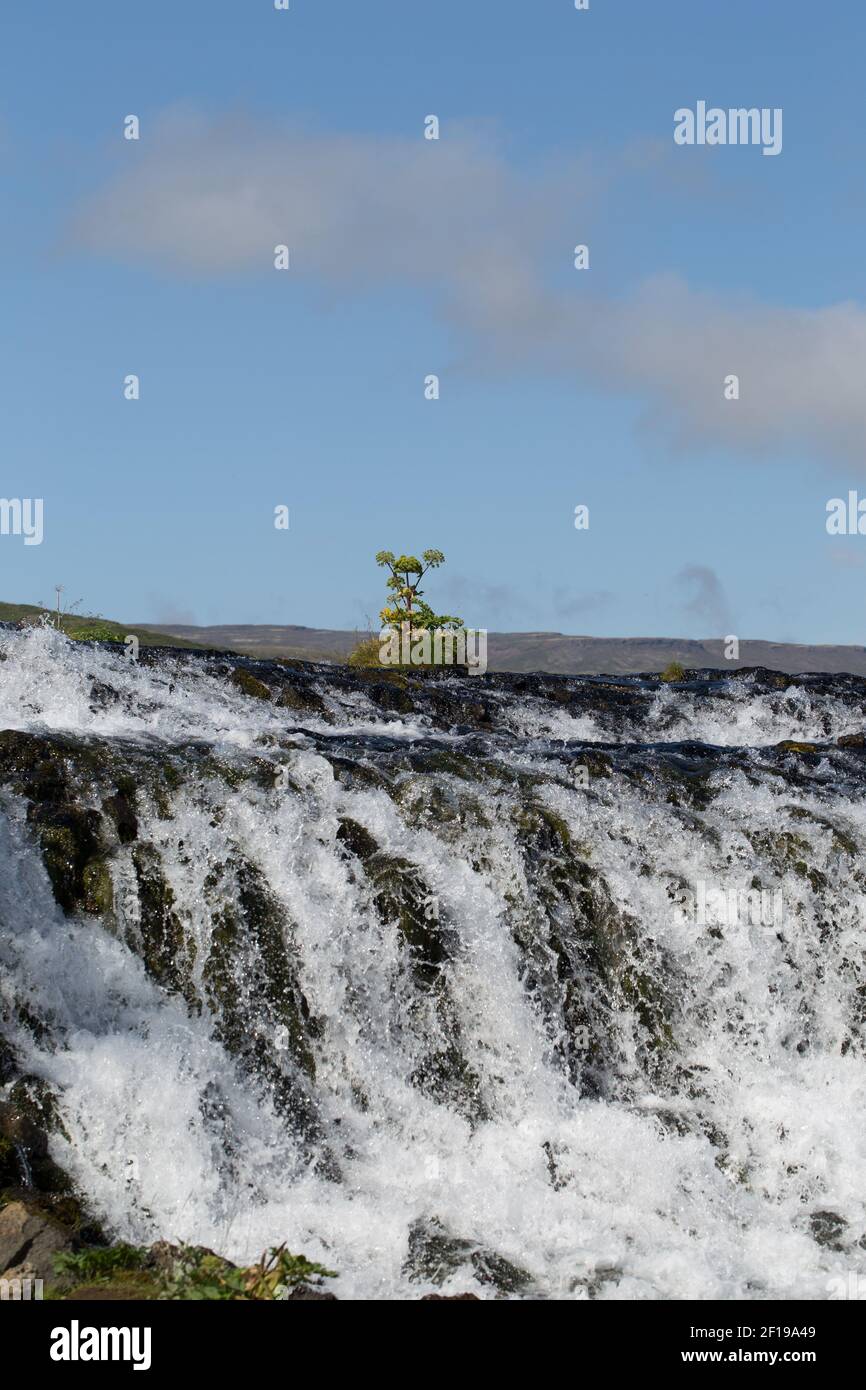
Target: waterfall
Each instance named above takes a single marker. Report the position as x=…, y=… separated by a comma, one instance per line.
x=535, y=986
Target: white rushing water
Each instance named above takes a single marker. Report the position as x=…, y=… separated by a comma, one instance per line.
x=638, y=1104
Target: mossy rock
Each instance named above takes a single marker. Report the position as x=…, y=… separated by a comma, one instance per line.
x=58, y=777
x=98, y=889
x=261, y=1015
x=446, y=1077
x=357, y=775
x=597, y=764
x=449, y=761
x=542, y=827
x=32, y=767
x=305, y=699
x=440, y=807
x=249, y=684
x=392, y=697
x=383, y=674
x=120, y=809
x=642, y=994
x=788, y=853
x=584, y=960
x=167, y=948
x=68, y=837
x=36, y=1106
x=783, y=848
x=356, y=839
x=250, y=974
x=401, y=897
x=843, y=843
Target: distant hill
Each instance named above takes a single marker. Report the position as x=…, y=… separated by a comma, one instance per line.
x=297, y=643
x=507, y=651
x=538, y=651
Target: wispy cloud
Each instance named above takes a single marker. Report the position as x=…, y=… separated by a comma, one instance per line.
x=707, y=602
x=166, y=611
x=568, y=605
x=484, y=604
x=489, y=242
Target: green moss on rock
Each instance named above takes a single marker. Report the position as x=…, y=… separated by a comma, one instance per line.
x=401, y=897
x=167, y=948
x=98, y=889
x=249, y=684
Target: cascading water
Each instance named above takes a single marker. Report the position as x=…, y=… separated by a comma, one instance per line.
x=530, y=986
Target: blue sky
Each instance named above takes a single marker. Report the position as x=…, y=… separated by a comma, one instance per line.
x=409, y=257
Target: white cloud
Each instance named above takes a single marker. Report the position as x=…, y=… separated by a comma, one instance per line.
x=491, y=243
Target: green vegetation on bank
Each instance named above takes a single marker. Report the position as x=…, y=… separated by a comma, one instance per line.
x=90, y=628
x=182, y=1273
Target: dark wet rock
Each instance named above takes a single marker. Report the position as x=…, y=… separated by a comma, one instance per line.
x=357, y=775
x=251, y=971
x=8, y=1061
x=28, y=1118
x=445, y=1075
x=82, y=807
x=788, y=852
x=55, y=775
x=435, y=1254
x=594, y=1283
x=829, y=1229
x=121, y=809
x=36, y=1106
x=29, y=1241
x=387, y=695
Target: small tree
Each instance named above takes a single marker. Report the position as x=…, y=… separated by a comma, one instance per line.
x=407, y=606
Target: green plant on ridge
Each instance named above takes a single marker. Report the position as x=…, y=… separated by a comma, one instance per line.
x=407, y=605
